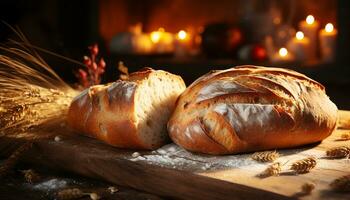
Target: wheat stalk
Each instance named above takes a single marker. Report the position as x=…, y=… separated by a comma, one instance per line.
x=341, y=184
x=124, y=71
x=72, y=193
x=31, y=93
x=345, y=136
x=265, y=156
x=272, y=170
x=31, y=176
x=304, y=165
x=75, y=193
x=338, y=152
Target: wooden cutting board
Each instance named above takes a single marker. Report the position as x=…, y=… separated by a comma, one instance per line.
x=173, y=172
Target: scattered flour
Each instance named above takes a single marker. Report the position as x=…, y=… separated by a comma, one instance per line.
x=52, y=184
x=173, y=156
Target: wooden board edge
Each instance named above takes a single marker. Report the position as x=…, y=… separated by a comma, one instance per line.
x=153, y=179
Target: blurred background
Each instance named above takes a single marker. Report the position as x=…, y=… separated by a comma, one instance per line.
x=191, y=37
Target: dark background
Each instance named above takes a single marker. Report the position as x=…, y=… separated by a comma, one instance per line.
x=68, y=27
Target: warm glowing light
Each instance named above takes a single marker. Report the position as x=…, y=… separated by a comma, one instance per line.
x=277, y=20
x=182, y=35
x=310, y=19
x=283, y=52
x=299, y=35
x=329, y=27
x=155, y=36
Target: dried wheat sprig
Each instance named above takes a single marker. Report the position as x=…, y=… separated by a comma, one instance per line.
x=30, y=108
x=307, y=188
x=304, y=165
x=31, y=176
x=76, y=193
x=47, y=52
x=345, y=136
x=124, y=71
x=12, y=160
x=272, y=170
x=31, y=93
x=341, y=184
x=338, y=152
x=265, y=156
x=68, y=194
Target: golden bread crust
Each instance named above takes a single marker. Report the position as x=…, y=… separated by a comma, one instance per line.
x=108, y=113
x=251, y=108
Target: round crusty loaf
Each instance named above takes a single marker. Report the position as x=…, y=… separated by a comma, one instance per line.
x=250, y=108
x=131, y=113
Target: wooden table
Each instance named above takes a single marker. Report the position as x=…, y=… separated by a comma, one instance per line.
x=15, y=187
x=173, y=172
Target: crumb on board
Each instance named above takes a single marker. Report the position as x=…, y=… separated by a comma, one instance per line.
x=57, y=138
x=307, y=188
x=135, y=154
x=112, y=189
x=94, y=196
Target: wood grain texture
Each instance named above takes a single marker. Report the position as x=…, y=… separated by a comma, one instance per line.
x=173, y=172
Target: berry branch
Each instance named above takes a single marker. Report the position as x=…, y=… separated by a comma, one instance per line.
x=94, y=68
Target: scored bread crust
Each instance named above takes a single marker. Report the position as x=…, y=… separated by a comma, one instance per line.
x=250, y=108
x=108, y=113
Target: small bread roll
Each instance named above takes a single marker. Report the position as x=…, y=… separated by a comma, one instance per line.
x=128, y=114
x=251, y=108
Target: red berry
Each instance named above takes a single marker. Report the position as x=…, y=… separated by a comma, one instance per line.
x=100, y=71
x=82, y=74
x=87, y=61
x=94, y=66
x=102, y=63
x=94, y=49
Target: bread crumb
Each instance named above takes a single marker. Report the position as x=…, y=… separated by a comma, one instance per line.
x=112, y=189
x=161, y=151
x=307, y=188
x=94, y=196
x=135, y=154
x=57, y=138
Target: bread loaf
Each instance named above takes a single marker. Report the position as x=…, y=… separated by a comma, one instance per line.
x=128, y=114
x=251, y=108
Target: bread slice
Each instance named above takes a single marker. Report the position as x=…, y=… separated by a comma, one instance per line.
x=131, y=113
